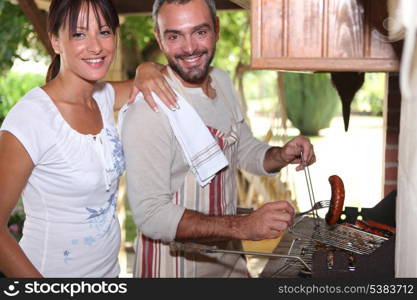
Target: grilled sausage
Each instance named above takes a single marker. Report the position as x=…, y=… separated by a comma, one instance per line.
x=337, y=200
x=381, y=226
x=365, y=227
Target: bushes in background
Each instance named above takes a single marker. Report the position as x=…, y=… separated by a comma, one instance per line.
x=370, y=98
x=13, y=86
x=311, y=101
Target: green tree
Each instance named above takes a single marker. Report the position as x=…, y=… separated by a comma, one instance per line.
x=311, y=100
x=234, y=43
x=13, y=86
x=138, y=43
x=16, y=32
x=370, y=98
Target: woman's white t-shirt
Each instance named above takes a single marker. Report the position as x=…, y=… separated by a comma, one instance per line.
x=71, y=227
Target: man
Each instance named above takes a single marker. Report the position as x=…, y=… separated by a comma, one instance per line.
x=167, y=202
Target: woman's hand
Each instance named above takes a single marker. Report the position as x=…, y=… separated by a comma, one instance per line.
x=148, y=79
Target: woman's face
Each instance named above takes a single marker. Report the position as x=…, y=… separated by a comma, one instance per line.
x=89, y=51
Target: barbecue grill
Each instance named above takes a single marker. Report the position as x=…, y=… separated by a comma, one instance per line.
x=331, y=251
x=312, y=248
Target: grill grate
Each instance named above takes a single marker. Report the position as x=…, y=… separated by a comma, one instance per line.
x=342, y=237
x=307, y=236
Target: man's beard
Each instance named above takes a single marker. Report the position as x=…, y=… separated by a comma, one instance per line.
x=194, y=74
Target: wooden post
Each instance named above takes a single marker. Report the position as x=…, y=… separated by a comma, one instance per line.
x=38, y=19
x=392, y=132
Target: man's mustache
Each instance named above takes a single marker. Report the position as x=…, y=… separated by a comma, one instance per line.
x=195, y=53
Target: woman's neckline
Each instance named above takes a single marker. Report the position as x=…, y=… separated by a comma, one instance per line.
x=52, y=103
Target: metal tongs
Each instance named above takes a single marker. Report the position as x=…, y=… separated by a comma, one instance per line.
x=310, y=190
x=205, y=249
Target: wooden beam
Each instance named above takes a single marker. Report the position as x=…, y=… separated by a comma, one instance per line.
x=38, y=19
x=242, y=3
x=145, y=6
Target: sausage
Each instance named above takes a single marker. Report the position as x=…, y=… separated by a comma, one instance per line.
x=380, y=226
x=337, y=200
x=365, y=227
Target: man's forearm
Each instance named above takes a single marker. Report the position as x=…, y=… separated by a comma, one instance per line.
x=267, y=222
x=197, y=227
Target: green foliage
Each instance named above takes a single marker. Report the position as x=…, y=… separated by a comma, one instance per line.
x=311, y=101
x=260, y=84
x=137, y=29
x=14, y=86
x=234, y=39
x=129, y=224
x=15, y=32
x=370, y=98
x=16, y=222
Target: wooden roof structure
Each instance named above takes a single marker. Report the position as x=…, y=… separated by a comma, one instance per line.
x=143, y=6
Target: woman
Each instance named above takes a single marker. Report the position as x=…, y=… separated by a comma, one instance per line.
x=60, y=149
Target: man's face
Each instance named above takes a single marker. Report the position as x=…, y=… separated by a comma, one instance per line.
x=188, y=38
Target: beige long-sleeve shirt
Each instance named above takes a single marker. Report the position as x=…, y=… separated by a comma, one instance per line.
x=154, y=160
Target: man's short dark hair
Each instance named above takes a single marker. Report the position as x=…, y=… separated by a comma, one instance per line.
x=158, y=3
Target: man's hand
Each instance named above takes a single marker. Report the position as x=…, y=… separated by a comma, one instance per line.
x=278, y=157
x=267, y=222
x=291, y=152
x=149, y=78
